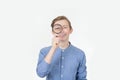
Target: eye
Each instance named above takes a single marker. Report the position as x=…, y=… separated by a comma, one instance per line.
x=57, y=28
x=65, y=27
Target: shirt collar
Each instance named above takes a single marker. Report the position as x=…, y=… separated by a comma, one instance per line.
x=66, y=49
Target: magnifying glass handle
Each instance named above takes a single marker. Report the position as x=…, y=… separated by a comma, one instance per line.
x=56, y=43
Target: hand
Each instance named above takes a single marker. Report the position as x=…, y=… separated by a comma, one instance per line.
x=55, y=41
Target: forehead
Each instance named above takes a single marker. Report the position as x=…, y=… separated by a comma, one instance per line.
x=62, y=22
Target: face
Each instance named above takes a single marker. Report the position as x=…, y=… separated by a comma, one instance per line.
x=66, y=31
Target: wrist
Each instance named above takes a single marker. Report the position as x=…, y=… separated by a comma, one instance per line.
x=54, y=47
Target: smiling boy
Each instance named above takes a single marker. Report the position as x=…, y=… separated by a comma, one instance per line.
x=62, y=60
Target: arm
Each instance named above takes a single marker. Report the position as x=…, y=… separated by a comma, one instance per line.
x=43, y=66
x=82, y=73
x=49, y=56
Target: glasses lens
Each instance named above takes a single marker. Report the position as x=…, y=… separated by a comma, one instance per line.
x=57, y=28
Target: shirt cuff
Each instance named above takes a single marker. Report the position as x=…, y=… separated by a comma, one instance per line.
x=44, y=66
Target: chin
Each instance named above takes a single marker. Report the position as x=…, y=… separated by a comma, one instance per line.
x=62, y=39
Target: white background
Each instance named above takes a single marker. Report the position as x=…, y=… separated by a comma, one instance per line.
x=25, y=29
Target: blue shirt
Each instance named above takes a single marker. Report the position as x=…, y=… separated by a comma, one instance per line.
x=68, y=64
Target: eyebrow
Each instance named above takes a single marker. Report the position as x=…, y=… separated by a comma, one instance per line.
x=61, y=25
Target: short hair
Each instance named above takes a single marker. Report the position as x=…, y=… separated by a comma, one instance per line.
x=61, y=18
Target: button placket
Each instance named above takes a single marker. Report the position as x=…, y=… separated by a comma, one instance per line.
x=62, y=66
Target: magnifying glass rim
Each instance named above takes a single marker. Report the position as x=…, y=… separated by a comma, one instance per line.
x=59, y=31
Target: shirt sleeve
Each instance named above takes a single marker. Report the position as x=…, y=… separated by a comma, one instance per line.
x=82, y=73
x=42, y=66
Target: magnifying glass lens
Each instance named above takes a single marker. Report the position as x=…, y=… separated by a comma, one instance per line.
x=57, y=28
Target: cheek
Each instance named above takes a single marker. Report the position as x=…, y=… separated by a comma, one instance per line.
x=66, y=31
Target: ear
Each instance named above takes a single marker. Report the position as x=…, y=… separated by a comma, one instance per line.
x=71, y=31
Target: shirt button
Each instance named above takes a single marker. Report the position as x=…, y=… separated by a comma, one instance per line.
x=62, y=50
x=62, y=57
x=62, y=66
x=61, y=75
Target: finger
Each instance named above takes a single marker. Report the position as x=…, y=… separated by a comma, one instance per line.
x=56, y=35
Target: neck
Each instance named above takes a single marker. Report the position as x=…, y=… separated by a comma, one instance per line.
x=64, y=44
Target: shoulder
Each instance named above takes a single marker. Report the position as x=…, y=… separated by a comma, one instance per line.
x=77, y=51
x=45, y=50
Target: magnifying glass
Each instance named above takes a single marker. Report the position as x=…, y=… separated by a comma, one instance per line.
x=57, y=28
